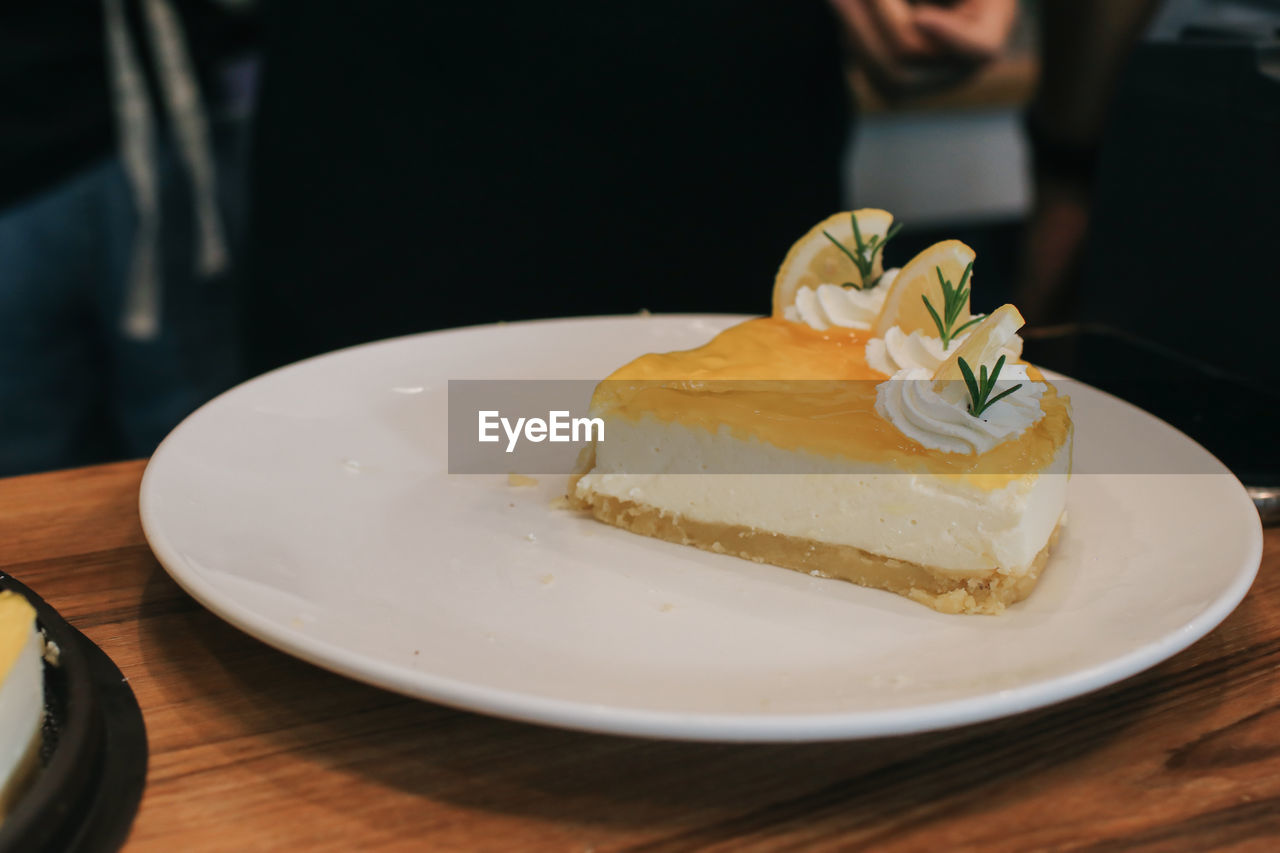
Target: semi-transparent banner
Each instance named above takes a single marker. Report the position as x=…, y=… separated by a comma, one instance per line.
x=807, y=427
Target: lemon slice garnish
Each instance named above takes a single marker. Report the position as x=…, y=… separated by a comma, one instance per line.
x=815, y=260
x=983, y=347
x=903, y=304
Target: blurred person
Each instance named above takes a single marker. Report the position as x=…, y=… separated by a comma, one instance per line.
x=906, y=49
x=1084, y=46
x=120, y=215
x=420, y=166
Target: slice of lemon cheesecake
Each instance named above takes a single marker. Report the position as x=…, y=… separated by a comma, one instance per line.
x=21, y=697
x=870, y=430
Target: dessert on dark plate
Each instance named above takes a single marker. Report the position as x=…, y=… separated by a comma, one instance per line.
x=73, y=748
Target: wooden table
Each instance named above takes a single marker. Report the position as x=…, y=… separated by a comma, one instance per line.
x=253, y=750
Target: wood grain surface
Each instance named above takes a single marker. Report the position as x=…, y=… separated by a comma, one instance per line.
x=253, y=750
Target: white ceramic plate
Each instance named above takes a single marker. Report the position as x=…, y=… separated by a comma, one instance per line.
x=312, y=508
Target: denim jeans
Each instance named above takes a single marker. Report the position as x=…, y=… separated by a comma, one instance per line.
x=74, y=389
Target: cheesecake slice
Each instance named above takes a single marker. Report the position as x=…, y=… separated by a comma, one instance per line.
x=21, y=697
x=838, y=437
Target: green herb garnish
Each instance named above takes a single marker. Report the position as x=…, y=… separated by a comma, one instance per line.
x=953, y=299
x=980, y=388
x=864, y=254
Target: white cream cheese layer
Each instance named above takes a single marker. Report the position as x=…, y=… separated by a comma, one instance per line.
x=945, y=522
x=21, y=709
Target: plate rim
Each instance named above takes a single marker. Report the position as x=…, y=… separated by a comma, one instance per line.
x=604, y=718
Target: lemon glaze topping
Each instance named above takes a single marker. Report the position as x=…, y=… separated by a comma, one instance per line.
x=16, y=617
x=802, y=389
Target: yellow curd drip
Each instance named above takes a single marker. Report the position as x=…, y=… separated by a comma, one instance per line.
x=790, y=385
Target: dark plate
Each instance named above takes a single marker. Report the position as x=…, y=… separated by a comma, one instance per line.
x=94, y=760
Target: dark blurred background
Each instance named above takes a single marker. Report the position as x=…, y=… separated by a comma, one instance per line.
x=194, y=191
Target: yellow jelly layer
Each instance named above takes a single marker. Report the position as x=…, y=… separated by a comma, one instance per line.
x=16, y=618
x=789, y=385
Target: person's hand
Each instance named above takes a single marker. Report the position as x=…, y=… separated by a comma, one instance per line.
x=904, y=46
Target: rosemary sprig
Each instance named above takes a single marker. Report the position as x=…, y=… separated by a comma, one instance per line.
x=953, y=299
x=864, y=254
x=980, y=388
